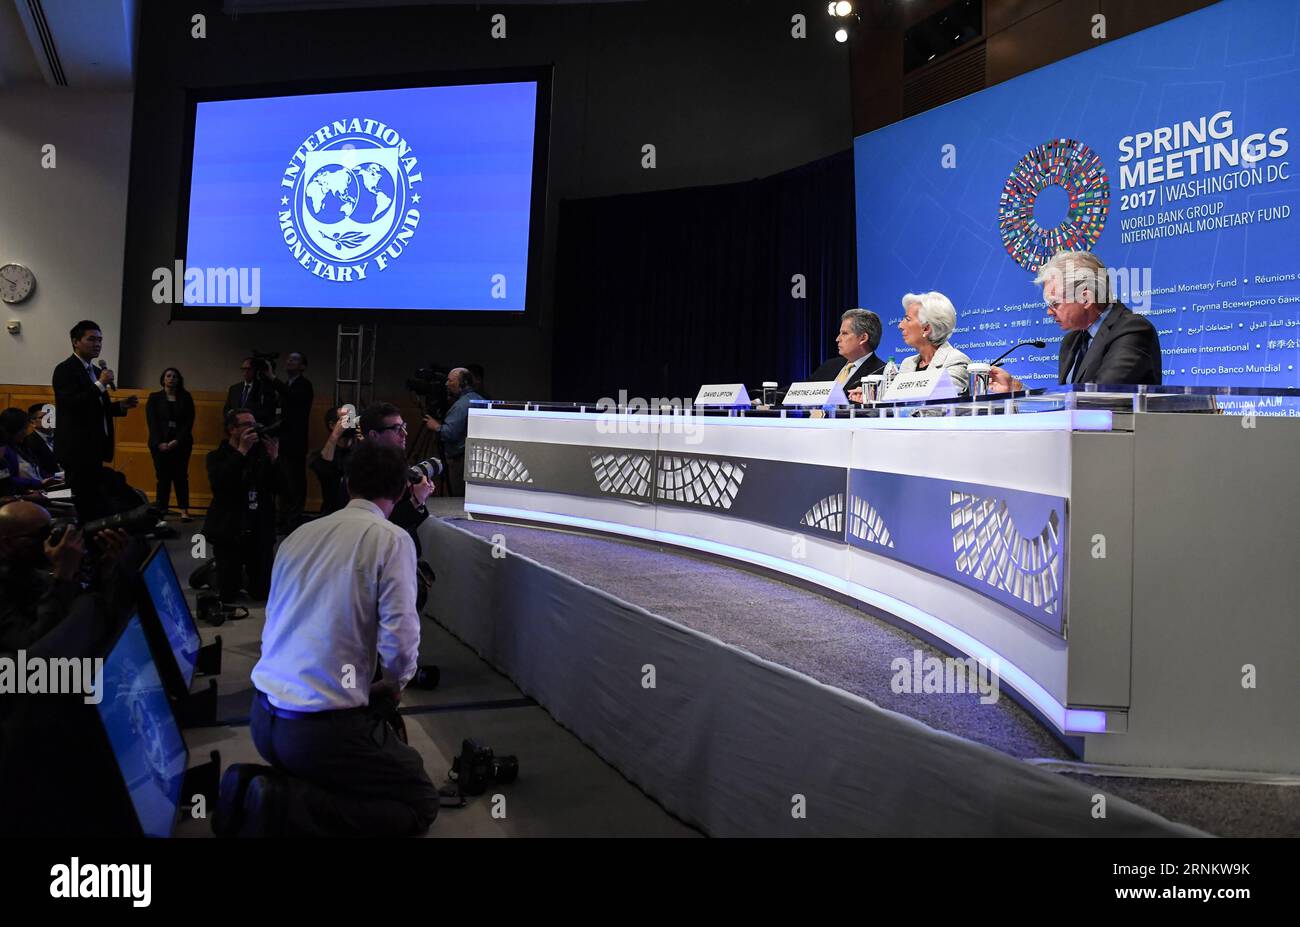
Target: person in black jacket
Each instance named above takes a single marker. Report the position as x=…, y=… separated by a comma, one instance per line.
x=257, y=391
x=240, y=525
x=330, y=463
x=296, y=397
x=170, y=413
x=83, y=440
x=1105, y=341
x=39, y=443
x=857, y=340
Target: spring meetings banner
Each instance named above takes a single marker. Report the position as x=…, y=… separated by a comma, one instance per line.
x=1170, y=153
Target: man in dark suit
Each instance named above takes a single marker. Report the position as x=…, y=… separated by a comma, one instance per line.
x=1105, y=341
x=296, y=395
x=241, y=517
x=256, y=391
x=858, y=338
x=84, y=413
x=39, y=443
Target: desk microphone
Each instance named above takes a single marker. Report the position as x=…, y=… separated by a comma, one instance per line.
x=103, y=365
x=1008, y=351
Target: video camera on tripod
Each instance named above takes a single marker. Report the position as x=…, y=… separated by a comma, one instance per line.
x=430, y=384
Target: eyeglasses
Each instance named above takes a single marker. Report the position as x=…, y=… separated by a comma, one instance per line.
x=400, y=426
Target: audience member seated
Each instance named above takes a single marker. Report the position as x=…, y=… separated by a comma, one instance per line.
x=41, y=579
x=39, y=443
x=18, y=474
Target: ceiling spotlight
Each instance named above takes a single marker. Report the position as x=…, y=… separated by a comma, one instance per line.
x=843, y=8
x=841, y=35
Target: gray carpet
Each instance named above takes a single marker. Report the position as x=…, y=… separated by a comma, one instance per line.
x=822, y=638
x=849, y=649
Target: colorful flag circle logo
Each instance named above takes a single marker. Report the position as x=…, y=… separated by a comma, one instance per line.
x=1075, y=168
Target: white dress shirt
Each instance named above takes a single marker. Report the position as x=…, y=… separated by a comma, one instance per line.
x=94, y=378
x=342, y=591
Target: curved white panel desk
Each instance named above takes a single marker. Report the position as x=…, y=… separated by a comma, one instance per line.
x=1122, y=573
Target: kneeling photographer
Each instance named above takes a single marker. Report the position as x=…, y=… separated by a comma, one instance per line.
x=64, y=592
x=342, y=607
x=241, y=518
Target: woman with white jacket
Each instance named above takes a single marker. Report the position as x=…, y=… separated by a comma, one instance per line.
x=928, y=321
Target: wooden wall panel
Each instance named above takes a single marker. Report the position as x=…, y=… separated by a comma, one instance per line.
x=132, y=455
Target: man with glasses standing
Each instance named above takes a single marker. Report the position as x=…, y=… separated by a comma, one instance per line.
x=256, y=391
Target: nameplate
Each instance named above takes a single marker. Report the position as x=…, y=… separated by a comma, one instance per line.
x=821, y=394
x=722, y=394
x=927, y=384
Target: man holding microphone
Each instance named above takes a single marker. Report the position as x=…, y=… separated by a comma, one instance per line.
x=83, y=440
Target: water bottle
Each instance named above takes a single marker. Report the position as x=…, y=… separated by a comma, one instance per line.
x=890, y=372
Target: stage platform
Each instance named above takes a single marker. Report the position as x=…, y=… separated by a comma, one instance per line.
x=768, y=697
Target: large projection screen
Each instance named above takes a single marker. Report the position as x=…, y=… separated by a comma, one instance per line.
x=420, y=201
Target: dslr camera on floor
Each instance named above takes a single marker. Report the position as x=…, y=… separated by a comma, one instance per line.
x=477, y=769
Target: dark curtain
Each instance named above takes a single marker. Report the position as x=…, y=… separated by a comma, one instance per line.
x=658, y=293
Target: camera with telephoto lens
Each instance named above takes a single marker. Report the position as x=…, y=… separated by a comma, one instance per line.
x=138, y=522
x=268, y=431
x=477, y=769
x=432, y=468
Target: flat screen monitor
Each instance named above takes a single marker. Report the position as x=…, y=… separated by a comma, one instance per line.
x=167, y=601
x=142, y=732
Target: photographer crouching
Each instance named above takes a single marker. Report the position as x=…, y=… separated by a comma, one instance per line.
x=341, y=613
x=64, y=592
x=241, y=518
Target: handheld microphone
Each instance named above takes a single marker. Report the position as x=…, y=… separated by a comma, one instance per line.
x=103, y=365
x=1010, y=350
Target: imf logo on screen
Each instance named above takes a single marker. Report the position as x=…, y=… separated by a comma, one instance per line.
x=1056, y=199
x=348, y=206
